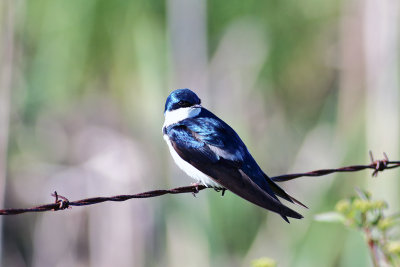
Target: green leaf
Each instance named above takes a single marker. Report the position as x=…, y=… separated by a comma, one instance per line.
x=363, y=194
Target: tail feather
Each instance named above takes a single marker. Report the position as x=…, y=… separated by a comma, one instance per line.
x=296, y=201
x=281, y=193
x=285, y=218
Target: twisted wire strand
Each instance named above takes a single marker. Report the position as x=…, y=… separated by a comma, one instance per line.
x=62, y=203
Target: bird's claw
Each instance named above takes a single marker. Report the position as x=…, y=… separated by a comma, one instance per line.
x=221, y=189
x=196, y=189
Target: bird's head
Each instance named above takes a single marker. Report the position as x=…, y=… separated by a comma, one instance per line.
x=181, y=98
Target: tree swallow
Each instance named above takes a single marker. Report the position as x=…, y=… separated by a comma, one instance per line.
x=211, y=152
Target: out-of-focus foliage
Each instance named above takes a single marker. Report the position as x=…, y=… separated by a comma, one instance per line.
x=263, y=262
x=306, y=84
x=381, y=232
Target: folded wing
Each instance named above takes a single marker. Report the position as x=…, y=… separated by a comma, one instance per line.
x=220, y=156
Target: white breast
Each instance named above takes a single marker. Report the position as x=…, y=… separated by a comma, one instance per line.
x=199, y=176
x=175, y=116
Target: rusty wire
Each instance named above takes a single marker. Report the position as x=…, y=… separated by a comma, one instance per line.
x=62, y=203
x=376, y=165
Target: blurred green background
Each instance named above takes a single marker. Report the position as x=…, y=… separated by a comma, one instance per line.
x=306, y=84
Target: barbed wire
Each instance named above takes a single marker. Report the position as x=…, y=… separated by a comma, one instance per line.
x=376, y=165
x=62, y=203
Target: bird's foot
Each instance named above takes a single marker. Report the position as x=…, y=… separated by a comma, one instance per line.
x=221, y=189
x=196, y=188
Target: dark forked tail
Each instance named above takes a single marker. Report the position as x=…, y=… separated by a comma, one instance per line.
x=281, y=193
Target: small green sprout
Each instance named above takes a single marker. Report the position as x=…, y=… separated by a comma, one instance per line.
x=385, y=223
x=263, y=262
x=362, y=205
x=393, y=247
x=343, y=206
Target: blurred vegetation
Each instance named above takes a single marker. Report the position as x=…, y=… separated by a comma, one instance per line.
x=264, y=262
x=381, y=232
x=85, y=110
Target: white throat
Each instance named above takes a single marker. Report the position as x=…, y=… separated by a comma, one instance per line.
x=175, y=116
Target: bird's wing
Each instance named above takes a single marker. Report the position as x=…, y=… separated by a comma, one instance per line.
x=208, y=148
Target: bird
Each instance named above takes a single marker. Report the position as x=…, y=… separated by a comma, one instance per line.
x=210, y=151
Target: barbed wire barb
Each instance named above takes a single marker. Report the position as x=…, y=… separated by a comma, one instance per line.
x=62, y=203
x=376, y=165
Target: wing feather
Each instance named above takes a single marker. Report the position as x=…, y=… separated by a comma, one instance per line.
x=192, y=144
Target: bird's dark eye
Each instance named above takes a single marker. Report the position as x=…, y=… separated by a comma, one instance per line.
x=184, y=104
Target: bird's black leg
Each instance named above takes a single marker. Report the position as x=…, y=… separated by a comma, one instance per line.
x=196, y=187
x=223, y=192
x=220, y=189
